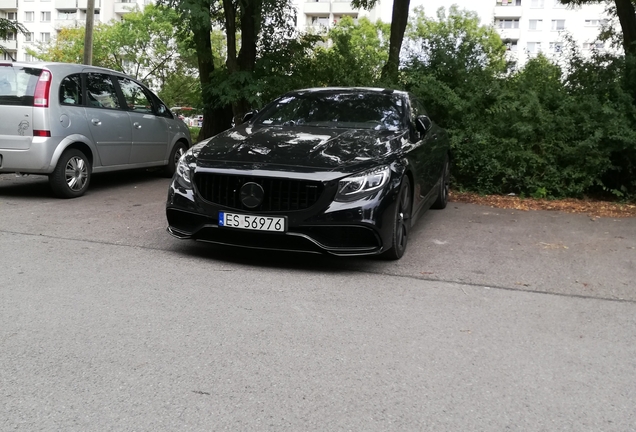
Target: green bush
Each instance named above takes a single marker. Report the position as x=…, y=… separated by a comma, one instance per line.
x=542, y=131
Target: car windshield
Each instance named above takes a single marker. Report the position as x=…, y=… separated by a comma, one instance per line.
x=17, y=84
x=357, y=110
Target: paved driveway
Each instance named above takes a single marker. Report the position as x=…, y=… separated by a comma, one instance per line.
x=494, y=319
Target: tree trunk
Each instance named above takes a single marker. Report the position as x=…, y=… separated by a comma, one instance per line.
x=250, y=14
x=250, y=27
x=398, y=27
x=215, y=120
x=627, y=18
x=230, y=32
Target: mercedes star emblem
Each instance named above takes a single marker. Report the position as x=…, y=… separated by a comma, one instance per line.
x=252, y=195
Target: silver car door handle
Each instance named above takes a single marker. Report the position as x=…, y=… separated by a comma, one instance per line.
x=137, y=125
x=96, y=122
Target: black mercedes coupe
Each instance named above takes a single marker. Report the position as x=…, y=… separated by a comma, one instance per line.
x=343, y=171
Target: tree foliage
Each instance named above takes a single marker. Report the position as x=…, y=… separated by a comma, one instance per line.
x=142, y=45
x=8, y=26
x=399, y=21
x=539, y=131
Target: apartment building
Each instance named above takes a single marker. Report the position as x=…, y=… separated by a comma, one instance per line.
x=319, y=15
x=44, y=18
x=529, y=27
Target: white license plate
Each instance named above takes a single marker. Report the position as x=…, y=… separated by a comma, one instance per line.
x=252, y=222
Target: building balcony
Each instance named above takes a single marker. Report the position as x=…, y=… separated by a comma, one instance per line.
x=65, y=4
x=343, y=8
x=123, y=8
x=61, y=23
x=8, y=4
x=83, y=4
x=317, y=7
x=509, y=34
x=10, y=45
x=508, y=11
x=319, y=29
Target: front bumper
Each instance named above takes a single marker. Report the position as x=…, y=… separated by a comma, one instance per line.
x=361, y=227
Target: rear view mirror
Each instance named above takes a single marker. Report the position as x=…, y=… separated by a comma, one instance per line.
x=423, y=123
x=248, y=116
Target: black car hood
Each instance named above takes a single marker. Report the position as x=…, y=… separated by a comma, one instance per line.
x=298, y=148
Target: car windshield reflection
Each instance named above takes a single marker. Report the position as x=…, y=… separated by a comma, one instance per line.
x=379, y=111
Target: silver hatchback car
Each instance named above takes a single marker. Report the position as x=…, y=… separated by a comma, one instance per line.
x=68, y=121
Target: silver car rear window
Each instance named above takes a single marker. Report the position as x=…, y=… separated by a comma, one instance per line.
x=17, y=84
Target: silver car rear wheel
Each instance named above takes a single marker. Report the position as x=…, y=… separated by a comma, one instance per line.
x=72, y=174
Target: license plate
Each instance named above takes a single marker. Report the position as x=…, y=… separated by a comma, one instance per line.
x=252, y=222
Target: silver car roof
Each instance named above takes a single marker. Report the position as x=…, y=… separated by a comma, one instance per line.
x=65, y=68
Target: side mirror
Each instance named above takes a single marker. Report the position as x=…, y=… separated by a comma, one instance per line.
x=248, y=116
x=162, y=109
x=423, y=123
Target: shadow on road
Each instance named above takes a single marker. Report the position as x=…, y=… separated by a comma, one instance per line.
x=278, y=260
x=37, y=186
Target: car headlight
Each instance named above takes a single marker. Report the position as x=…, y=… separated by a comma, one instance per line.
x=183, y=172
x=363, y=184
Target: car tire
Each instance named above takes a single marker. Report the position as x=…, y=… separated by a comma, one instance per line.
x=401, y=222
x=72, y=174
x=177, y=151
x=444, y=187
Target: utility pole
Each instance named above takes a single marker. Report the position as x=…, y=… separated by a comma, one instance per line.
x=88, y=36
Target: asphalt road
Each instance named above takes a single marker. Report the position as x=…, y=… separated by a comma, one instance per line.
x=493, y=320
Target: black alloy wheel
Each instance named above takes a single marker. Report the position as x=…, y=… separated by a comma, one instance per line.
x=444, y=187
x=401, y=222
x=71, y=175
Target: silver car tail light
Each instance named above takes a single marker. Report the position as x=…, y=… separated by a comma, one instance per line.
x=42, y=89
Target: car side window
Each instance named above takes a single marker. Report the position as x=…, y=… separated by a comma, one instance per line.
x=101, y=91
x=136, y=98
x=71, y=90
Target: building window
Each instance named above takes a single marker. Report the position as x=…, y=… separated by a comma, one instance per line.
x=535, y=24
x=507, y=23
x=536, y=4
x=508, y=2
x=28, y=58
x=534, y=47
x=45, y=16
x=10, y=36
x=29, y=37
x=594, y=45
x=511, y=46
x=595, y=22
x=320, y=21
x=29, y=16
x=12, y=16
x=66, y=15
x=45, y=37
x=558, y=25
x=556, y=47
